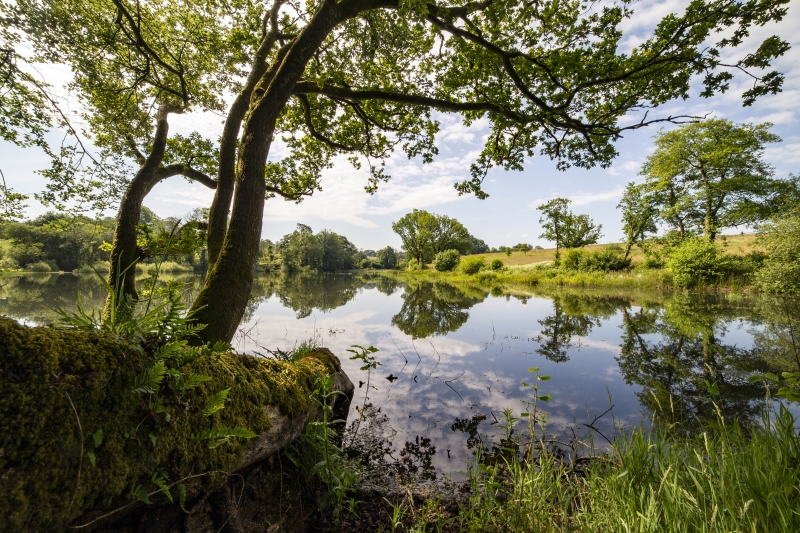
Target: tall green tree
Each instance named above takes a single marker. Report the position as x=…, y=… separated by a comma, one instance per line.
x=387, y=257
x=425, y=235
x=717, y=169
x=554, y=219
x=580, y=231
x=565, y=228
x=416, y=229
x=362, y=77
x=638, y=215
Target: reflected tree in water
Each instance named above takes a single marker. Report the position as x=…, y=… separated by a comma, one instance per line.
x=433, y=309
x=308, y=291
x=678, y=355
x=574, y=315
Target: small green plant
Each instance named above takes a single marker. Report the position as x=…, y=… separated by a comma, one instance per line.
x=496, y=264
x=447, y=260
x=368, y=363
x=472, y=265
x=316, y=453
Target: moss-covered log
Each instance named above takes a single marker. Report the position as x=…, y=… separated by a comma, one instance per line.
x=76, y=442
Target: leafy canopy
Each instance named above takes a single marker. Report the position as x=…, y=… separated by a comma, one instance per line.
x=711, y=175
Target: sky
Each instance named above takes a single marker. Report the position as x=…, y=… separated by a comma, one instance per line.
x=509, y=215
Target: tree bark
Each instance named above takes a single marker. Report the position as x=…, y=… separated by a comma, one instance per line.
x=226, y=176
x=221, y=302
x=124, y=251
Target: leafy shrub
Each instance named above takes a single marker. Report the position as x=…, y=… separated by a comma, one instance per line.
x=696, y=260
x=413, y=264
x=8, y=263
x=782, y=240
x=473, y=265
x=604, y=260
x=38, y=266
x=496, y=264
x=446, y=260
x=387, y=257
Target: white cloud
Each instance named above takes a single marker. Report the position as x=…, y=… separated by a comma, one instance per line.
x=583, y=199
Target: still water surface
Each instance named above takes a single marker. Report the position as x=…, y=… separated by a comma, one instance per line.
x=459, y=355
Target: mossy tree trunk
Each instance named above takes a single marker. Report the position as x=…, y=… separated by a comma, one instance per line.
x=223, y=298
x=125, y=252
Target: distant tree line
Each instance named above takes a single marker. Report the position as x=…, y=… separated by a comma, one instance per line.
x=324, y=251
x=60, y=242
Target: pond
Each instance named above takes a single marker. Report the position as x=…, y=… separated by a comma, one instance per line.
x=454, y=357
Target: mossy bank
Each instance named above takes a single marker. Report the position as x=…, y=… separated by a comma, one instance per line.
x=76, y=443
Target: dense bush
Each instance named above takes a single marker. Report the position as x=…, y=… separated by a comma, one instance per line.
x=473, y=264
x=38, y=266
x=370, y=263
x=8, y=263
x=387, y=257
x=496, y=264
x=413, y=264
x=446, y=260
x=782, y=239
x=695, y=261
x=603, y=260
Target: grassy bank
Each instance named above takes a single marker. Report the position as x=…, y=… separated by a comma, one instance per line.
x=724, y=480
x=695, y=264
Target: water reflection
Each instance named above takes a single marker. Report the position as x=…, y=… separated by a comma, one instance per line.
x=433, y=309
x=459, y=353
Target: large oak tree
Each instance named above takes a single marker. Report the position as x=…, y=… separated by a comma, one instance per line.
x=363, y=77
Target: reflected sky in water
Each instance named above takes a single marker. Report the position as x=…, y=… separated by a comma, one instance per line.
x=460, y=353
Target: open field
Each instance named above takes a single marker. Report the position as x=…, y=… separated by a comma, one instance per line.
x=734, y=244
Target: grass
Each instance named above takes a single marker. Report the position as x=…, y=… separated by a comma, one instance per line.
x=536, y=268
x=523, y=277
x=734, y=244
x=722, y=480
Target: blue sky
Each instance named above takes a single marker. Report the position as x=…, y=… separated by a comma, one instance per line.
x=508, y=216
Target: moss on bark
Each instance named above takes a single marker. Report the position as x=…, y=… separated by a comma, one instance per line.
x=60, y=388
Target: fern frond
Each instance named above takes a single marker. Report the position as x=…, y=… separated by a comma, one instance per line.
x=215, y=402
x=170, y=350
x=149, y=380
x=161, y=482
x=139, y=493
x=182, y=497
x=192, y=380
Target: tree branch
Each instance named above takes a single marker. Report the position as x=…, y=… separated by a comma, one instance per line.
x=313, y=131
x=186, y=171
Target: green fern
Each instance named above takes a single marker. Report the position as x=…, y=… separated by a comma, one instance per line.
x=215, y=402
x=161, y=482
x=191, y=381
x=149, y=381
x=182, y=497
x=138, y=493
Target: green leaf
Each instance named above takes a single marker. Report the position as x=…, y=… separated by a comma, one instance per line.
x=545, y=398
x=544, y=378
x=92, y=458
x=533, y=369
x=216, y=402
x=98, y=438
